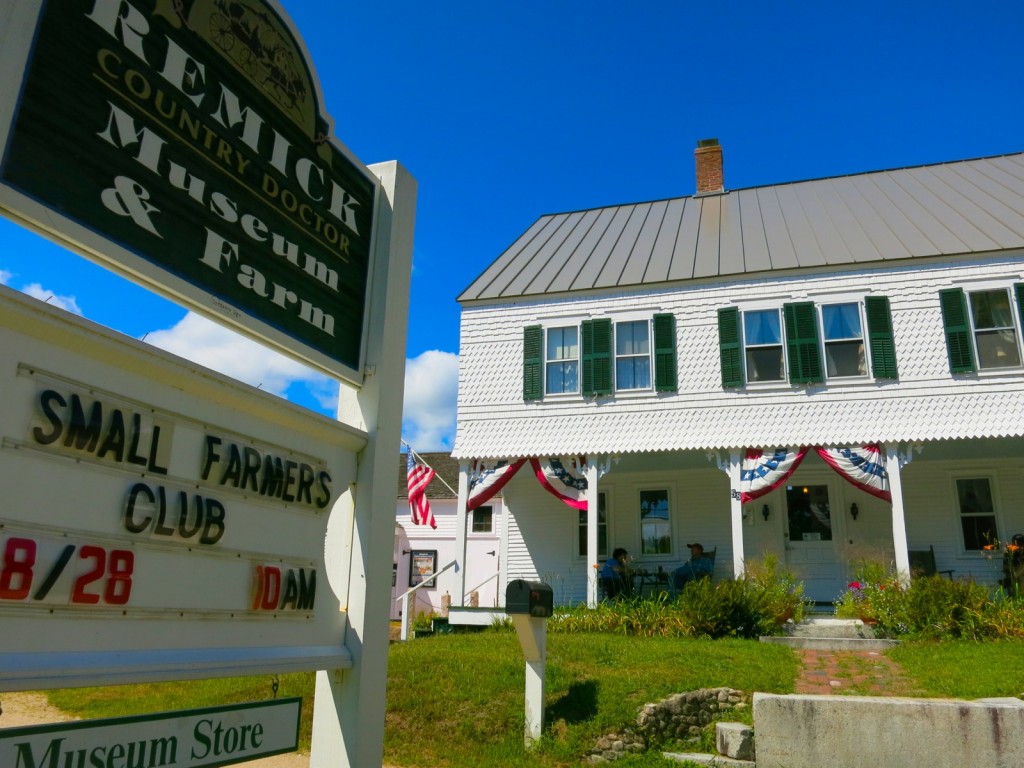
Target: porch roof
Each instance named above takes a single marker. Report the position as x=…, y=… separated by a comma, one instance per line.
x=835, y=422
x=954, y=208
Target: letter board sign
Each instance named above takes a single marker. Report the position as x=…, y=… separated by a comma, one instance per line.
x=182, y=144
x=160, y=521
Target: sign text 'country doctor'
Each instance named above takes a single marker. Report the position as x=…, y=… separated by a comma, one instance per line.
x=189, y=134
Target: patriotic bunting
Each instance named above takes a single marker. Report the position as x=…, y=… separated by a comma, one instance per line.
x=861, y=467
x=566, y=482
x=485, y=482
x=763, y=472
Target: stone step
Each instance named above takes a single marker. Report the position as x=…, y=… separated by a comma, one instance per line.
x=832, y=643
x=829, y=627
x=702, y=758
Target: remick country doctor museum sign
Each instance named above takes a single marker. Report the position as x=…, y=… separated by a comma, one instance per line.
x=183, y=142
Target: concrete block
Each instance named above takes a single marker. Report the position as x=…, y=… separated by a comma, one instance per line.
x=735, y=740
x=801, y=731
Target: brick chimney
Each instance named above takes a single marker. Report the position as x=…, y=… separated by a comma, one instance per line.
x=708, y=159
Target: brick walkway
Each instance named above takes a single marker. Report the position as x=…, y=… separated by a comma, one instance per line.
x=862, y=673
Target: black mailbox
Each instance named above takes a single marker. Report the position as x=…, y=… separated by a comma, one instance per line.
x=531, y=597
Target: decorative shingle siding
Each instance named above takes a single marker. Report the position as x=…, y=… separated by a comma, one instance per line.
x=495, y=422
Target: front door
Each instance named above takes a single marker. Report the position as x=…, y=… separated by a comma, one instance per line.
x=812, y=539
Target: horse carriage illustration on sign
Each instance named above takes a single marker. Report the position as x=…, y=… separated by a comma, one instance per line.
x=247, y=37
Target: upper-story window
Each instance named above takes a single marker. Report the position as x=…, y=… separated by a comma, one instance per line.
x=982, y=327
x=598, y=357
x=806, y=342
x=632, y=355
x=561, y=368
x=762, y=343
x=844, y=340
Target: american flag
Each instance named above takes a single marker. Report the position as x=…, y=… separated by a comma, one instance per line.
x=419, y=476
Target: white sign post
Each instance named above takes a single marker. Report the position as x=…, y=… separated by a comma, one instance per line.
x=161, y=521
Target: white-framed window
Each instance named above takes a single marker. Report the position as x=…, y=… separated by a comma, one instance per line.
x=762, y=345
x=655, y=522
x=994, y=328
x=561, y=360
x=843, y=338
x=597, y=357
x=602, y=528
x=632, y=355
x=976, y=504
x=483, y=519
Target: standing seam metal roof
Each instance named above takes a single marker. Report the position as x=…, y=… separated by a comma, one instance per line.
x=960, y=207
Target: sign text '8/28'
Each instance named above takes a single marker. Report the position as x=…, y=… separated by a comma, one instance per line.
x=96, y=576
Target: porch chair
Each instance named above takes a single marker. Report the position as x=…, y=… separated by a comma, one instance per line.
x=922, y=563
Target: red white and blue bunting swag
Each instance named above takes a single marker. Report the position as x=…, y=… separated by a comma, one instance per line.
x=763, y=472
x=565, y=479
x=485, y=481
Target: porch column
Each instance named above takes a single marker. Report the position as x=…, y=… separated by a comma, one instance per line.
x=894, y=463
x=592, y=474
x=736, y=512
x=461, y=523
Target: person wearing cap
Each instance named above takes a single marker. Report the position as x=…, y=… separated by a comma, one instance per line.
x=697, y=567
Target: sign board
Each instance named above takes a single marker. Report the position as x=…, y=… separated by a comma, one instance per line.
x=195, y=738
x=160, y=521
x=181, y=143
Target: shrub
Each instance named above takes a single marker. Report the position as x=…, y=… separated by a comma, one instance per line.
x=747, y=607
x=930, y=607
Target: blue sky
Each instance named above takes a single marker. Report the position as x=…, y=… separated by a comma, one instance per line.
x=507, y=111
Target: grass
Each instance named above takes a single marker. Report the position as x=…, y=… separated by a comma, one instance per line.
x=964, y=670
x=457, y=699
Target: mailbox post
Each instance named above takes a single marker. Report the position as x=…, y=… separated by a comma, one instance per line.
x=528, y=604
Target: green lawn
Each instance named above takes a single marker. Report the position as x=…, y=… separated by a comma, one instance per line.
x=457, y=700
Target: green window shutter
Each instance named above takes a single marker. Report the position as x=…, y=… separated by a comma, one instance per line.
x=730, y=347
x=596, y=348
x=880, y=338
x=802, y=343
x=533, y=363
x=665, y=372
x=958, y=330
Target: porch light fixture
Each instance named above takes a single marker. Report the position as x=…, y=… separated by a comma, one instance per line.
x=766, y=512
x=854, y=511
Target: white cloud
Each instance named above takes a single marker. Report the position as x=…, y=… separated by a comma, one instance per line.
x=431, y=394
x=232, y=354
x=5, y=276
x=68, y=303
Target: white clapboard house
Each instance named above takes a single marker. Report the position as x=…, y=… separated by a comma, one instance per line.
x=825, y=370
x=420, y=549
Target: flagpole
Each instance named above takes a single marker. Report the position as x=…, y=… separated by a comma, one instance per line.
x=445, y=484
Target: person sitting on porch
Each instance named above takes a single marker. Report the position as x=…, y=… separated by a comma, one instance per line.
x=613, y=574
x=697, y=567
